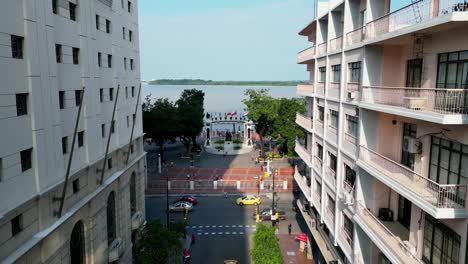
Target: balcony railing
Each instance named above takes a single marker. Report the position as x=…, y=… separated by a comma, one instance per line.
x=302, y=152
x=438, y=195
x=411, y=14
x=303, y=182
x=320, y=88
x=305, y=89
x=331, y=176
x=332, y=134
x=392, y=242
x=350, y=143
x=355, y=36
x=322, y=48
x=334, y=90
x=318, y=164
x=336, y=44
x=304, y=121
x=439, y=100
x=306, y=54
x=319, y=127
x=352, y=91
x=347, y=187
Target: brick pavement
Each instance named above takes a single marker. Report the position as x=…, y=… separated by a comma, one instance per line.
x=290, y=250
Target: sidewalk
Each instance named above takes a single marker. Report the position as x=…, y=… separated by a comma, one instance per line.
x=290, y=250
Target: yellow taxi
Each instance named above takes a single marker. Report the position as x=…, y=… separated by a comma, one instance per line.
x=249, y=199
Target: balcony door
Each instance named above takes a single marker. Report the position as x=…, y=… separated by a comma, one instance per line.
x=404, y=212
x=452, y=73
x=414, y=73
x=407, y=158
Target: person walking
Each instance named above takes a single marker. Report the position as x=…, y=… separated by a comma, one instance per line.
x=289, y=229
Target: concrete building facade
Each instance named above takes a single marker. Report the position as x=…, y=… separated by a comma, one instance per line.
x=384, y=175
x=55, y=57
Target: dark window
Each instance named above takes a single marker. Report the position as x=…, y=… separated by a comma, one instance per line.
x=111, y=94
x=129, y=6
x=62, y=99
x=80, y=138
x=334, y=119
x=131, y=64
x=322, y=74
x=76, y=55
x=414, y=73
x=99, y=59
x=336, y=73
x=128, y=121
x=409, y=131
x=133, y=199
x=125, y=63
x=54, y=6
x=17, y=224
x=318, y=189
x=78, y=97
x=354, y=72
x=441, y=244
x=133, y=118
x=17, y=47
x=26, y=159
x=97, y=22
x=320, y=113
x=352, y=125
x=133, y=91
x=109, y=61
x=22, y=104
x=58, y=53
x=348, y=228
x=123, y=32
x=404, y=211
x=109, y=163
x=72, y=8
x=332, y=161
x=320, y=151
x=112, y=127
x=331, y=204
x=453, y=70
x=76, y=185
x=103, y=130
x=64, y=145
x=111, y=225
x=130, y=35
x=132, y=149
x=101, y=95
x=126, y=91
x=77, y=247
x=350, y=176
x=108, y=26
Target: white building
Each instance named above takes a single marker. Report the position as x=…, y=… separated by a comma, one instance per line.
x=49, y=51
x=385, y=153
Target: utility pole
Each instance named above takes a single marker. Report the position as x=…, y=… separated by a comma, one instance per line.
x=167, y=195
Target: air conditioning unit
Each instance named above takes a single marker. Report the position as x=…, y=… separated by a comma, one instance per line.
x=416, y=103
x=349, y=199
x=412, y=145
x=137, y=220
x=116, y=249
x=351, y=95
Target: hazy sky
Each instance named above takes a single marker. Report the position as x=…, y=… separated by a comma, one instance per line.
x=223, y=39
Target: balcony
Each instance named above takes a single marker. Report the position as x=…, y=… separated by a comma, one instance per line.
x=440, y=200
x=355, y=36
x=303, y=182
x=391, y=245
x=304, y=121
x=318, y=165
x=319, y=127
x=320, y=89
x=322, y=49
x=334, y=90
x=306, y=55
x=330, y=177
x=306, y=89
x=438, y=105
x=330, y=218
x=336, y=44
x=303, y=153
x=352, y=92
x=332, y=134
x=350, y=144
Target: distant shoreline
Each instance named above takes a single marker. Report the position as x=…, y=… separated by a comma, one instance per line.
x=226, y=83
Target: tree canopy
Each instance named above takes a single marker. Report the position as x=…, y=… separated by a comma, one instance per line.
x=266, y=248
x=190, y=112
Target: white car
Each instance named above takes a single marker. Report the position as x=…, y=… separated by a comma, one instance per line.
x=180, y=207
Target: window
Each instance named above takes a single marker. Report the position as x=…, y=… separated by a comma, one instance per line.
x=1, y=168
x=336, y=73
x=80, y=138
x=78, y=97
x=407, y=158
x=131, y=64
x=133, y=118
x=318, y=189
x=58, y=53
x=334, y=119
x=348, y=228
x=332, y=162
x=26, y=159
x=110, y=214
x=76, y=185
x=126, y=92
x=133, y=91
x=97, y=22
x=54, y=6
x=129, y=7
x=453, y=70
x=130, y=35
x=101, y=95
x=108, y=26
x=17, y=47
x=103, y=130
x=354, y=72
x=331, y=204
x=320, y=113
x=132, y=149
x=414, y=73
x=320, y=151
x=99, y=59
x=352, y=125
x=350, y=176
x=125, y=63
x=113, y=127
x=64, y=145
x=109, y=61
x=111, y=94
x=72, y=8
x=133, y=199
x=17, y=224
x=21, y=104
x=76, y=54
x=77, y=244
x=441, y=244
x=322, y=74
x=123, y=32
x=109, y=163
x=128, y=121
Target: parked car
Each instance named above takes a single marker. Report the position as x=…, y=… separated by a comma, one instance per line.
x=188, y=198
x=265, y=214
x=249, y=199
x=180, y=207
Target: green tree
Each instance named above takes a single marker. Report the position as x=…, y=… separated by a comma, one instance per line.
x=158, y=244
x=263, y=110
x=285, y=128
x=266, y=248
x=190, y=114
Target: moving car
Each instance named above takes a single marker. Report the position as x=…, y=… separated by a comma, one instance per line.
x=180, y=207
x=249, y=199
x=265, y=214
x=188, y=198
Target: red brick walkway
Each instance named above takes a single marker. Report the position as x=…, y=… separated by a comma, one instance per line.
x=289, y=245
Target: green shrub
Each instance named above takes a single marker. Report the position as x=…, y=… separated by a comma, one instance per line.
x=274, y=155
x=219, y=148
x=237, y=141
x=266, y=248
x=237, y=147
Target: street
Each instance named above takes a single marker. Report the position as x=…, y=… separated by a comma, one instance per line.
x=223, y=229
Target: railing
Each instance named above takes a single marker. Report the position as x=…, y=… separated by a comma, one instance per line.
x=304, y=121
x=330, y=213
x=350, y=143
x=302, y=152
x=322, y=48
x=302, y=182
x=411, y=14
x=331, y=176
x=305, y=88
x=347, y=237
x=320, y=88
x=318, y=164
x=355, y=36
x=334, y=90
x=439, y=100
x=319, y=127
x=347, y=187
x=438, y=195
x=392, y=242
x=336, y=44
x=332, y=134
x=306, y=54
x=352, y=91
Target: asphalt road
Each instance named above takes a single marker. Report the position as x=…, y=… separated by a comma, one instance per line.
x=223, y=229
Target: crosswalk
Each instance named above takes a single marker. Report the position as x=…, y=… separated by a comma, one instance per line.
x=215, y=230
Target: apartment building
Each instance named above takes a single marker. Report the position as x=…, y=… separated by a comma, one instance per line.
x=67, y=67
x=384, y=171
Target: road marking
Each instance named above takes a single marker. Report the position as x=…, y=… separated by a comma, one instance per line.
x=234, y=233
x=240, y=225
x=227, y=226
x=194, y=227
x=199, y=234
x=241, y=233
x=207, y=233
x=220, y=226
x=213, y=233
x=233, y=225
x=207, y=226
x=227, y=233
x=213, y=226
x=247, y=226
x=291, y=253
x=200, y=226
x=220, y=233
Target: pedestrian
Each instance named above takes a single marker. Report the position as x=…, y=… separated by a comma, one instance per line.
x=289, y=229
x=225, y=194
x=188, y=177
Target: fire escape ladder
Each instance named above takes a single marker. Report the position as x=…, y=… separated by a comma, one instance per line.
x=418, y=45
x=416, y=11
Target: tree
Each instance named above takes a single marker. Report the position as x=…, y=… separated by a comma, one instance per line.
x=285, y=128
x=157, y=244
x=263, y=110
x=266, y=248
x=190, y=114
